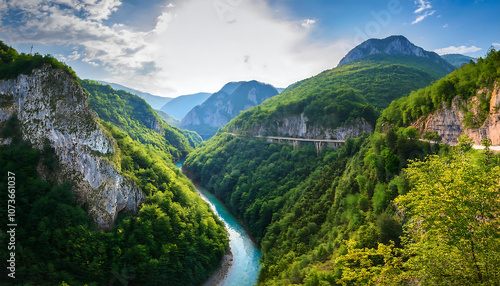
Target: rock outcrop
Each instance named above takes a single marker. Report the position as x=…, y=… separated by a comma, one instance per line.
x=297, y=126
x=52, y=108
x=449, y=122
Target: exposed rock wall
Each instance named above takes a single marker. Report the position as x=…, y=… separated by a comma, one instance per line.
x=297, y=126
x=448, y=122
x=52, y=106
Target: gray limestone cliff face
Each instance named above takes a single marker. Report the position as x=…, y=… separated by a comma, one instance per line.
x=52, y=106
x=297, y=126
x=448, y=122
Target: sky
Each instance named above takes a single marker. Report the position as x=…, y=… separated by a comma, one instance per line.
x=176, y=47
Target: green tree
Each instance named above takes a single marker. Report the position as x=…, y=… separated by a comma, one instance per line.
x=453, y=226
x=433, y=137
x=486, y=142
x=369, y=266
x=465, y=143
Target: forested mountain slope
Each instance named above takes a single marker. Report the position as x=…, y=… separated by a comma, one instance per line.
x=341, y=102
x=319, y=219
x=167, y=118
x=133, y=115
x=155, y=101
x=76, y=175
x=465, y=101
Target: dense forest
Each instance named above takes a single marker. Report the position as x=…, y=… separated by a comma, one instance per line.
x=317, y=217
x=175, y=239
x=337, y=96
x=386, y=208
x=464, y=82
x=133, y=115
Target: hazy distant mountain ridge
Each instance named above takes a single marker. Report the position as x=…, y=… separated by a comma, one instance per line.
x=180, y=106
x=226, y=104
x=154, y=100
x=457, y=59
x=393, y=45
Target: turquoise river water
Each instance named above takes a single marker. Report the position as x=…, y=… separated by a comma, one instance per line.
x=245, y=265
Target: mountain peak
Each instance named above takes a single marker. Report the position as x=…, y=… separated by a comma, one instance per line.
x=393, y=45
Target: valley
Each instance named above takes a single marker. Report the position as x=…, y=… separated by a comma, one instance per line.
x=241, y=265
x=379, y=171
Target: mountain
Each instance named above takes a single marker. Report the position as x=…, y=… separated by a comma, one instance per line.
x=178, y=107
x=154, y=100
x=167, y=118
x=92, y=204
x=344, y=101
x=362, y=214
x=393, y=45
x=458, y=60
x=466, y=101
x=226, y=104
x=51, y=110
x=133, y=115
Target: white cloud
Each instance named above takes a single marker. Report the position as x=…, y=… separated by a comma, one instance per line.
x=49, y=23
x=197, y=48
x=496, y=45
x=307, y=23
x=90, y=62
x=422, y=5
x=421, y=11
x=457, y=50
x=423, y=16
x=445, y=25
x=72, y=57
x=193, y=47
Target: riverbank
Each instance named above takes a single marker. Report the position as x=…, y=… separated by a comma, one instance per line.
x=220, y=274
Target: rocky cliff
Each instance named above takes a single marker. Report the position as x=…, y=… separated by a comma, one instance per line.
x=51, y=107
x=449, y=122
x=297, y=126
x=393, y=45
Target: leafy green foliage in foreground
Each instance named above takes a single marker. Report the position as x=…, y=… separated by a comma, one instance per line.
x=464, y=82
x=319, y=219
x=174, y=240
x=342, y=94
x=134, y=116
x=301, y=207
x=452, y=233
x=13, y=64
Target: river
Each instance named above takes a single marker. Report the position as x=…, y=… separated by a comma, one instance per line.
x=245, y=265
